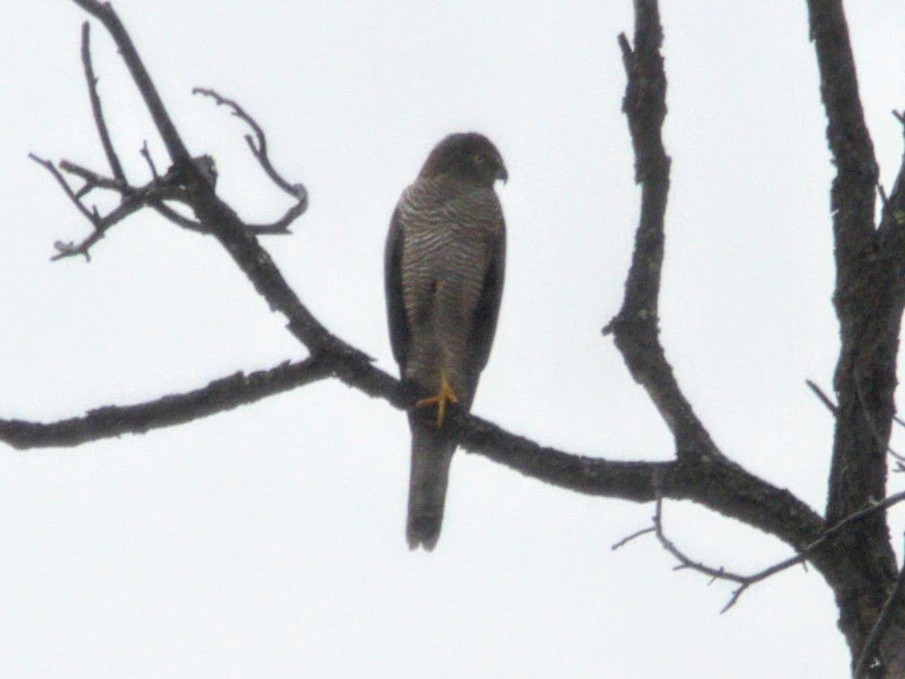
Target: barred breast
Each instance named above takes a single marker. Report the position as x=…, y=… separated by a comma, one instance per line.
x=448, y=232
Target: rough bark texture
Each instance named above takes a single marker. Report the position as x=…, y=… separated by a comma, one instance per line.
x=868, y=301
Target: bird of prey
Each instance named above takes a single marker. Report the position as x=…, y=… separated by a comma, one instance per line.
x=444, y=266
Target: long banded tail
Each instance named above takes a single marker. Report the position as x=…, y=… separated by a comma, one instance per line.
x=431, y=457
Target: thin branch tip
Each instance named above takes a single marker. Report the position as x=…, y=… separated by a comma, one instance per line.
x=629, y=538
x=628, y=56
x=257, y=144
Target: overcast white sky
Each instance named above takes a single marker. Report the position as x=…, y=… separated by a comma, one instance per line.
x=270, y=541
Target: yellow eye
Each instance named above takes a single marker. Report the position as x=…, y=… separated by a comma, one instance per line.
x=479, y=159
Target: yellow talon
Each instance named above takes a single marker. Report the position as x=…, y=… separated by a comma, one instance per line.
x=445, y=395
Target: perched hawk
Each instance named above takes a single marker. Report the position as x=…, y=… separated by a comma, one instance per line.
x=445, y=259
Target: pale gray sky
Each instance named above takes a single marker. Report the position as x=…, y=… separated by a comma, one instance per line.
x=269, y=541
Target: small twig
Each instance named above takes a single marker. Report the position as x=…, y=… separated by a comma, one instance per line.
x=900, y=459
x=883, y=197
x=746, y=581
x=628, y=57
x=161, y=188
x=115, y=166
x=281, y=226
x=169, y=213
x=819, y=393
x=628, y=538
x=104, y=12
x=146, y=154
x=871, y=646
x=101, y=226
x=47, y=165
x=685, y=561
x=133, y=199
x=92, y=179
x=258, y=146
x=827, y=534
x=259, y=151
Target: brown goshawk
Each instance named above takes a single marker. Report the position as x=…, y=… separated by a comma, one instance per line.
x=444, y=267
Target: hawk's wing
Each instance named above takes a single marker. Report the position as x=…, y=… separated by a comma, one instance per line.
x=400, y=334
x=488, y=309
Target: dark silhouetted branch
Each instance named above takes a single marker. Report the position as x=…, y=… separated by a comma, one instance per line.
x=746, y=581
x=865, y=302
x=115, y=166
x=821, y=395
x=636, y=327
x=90, y=215
x=869, y=655
x=869, y=298
x=632, y=536
x=220, y=219
x=133, y=199
x=218, y=396
x=258, y=146
x=146, y=154
x=703, y=476
x=104, y=13
x=853, y=193
x=892, y=223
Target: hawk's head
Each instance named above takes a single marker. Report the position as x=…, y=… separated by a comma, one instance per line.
x=467, y=156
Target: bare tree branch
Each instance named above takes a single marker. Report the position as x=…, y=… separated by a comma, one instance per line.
x=631, y=537
x=115, y=166
x=104, y=12
x=867, y=333
x=92, y=179
x=853, y=193
x=258, y=146
x=869, y=299
x=717, y=484
x=746, y=581
x=146, y=154
x=133, y=199
x=170, y=214
x=90, y=215
x=858, y=563
x=151, y=195
x=109, y=421
x=892, y=223
x=635, y=327
x=686, y=561
x=821, y=395
x=219, y=218
x=705, y=478
x=869, y=655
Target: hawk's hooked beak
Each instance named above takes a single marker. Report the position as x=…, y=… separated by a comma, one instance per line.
x=502, y=173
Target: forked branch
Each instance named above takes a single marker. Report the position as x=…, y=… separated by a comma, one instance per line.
x=636, y=327
x=170, y=186
x=700, y=473
x=746, y=581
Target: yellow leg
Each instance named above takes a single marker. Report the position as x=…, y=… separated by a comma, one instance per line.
x=444, y=396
